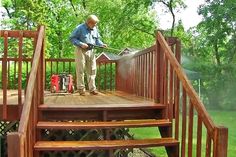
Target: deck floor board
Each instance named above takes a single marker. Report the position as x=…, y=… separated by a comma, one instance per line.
x=107, y=99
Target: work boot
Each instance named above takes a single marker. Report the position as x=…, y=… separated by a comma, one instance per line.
x=94, y=92
x=82, y=93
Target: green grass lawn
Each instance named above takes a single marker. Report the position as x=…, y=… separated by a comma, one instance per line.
x=222, y=118
x=227, y=119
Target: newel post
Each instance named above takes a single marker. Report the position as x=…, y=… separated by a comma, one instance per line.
x=158, y=66
x=42, y=67
x=220, y=142
x=15, y=145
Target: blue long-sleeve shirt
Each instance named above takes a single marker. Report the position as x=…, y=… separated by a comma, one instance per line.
x=83, y=34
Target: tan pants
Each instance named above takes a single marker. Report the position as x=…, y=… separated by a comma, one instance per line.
x=85, y=62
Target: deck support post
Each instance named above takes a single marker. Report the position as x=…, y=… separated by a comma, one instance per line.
x=220, y=142
x=15, y=146
x=106, y=133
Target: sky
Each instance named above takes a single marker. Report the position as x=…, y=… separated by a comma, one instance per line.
x=189, y=16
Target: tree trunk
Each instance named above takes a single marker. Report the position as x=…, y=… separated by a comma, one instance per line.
x=173, y=17
x=217, y=55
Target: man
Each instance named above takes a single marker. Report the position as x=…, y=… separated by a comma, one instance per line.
x=82, y=37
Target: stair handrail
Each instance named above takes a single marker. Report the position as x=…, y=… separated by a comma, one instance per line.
x=218, y=134
x=32, y=80
x=155, y=74
x=19, y=144
x=187, y=85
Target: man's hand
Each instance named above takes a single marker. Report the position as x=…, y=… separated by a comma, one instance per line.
x=84, y=46
x=104, y=46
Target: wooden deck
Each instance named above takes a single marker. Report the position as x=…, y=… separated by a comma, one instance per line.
x=109, y=106
x=114, y=102
x=12, y=97
x=104, y=99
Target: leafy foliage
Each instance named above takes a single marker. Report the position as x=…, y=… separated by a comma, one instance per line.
x=214, y=52
x=124, y=23
x=130, y=23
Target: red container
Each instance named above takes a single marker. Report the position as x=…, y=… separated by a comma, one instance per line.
x=55, y=80
x=62, y=83
x=70, y=85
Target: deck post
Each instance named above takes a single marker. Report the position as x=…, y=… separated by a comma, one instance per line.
x=14, y=145
x=220, y=142
x=42, y=69
x=4, y=75
x=157, y=87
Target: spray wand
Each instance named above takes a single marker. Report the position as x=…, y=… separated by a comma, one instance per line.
x=91, y=46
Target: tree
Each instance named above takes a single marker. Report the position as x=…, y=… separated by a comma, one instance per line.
x=216, y=52
x=124, y=23
x=171, y=6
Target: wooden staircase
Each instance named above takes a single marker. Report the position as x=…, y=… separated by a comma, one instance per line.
x=156, y=75
x=105, y=118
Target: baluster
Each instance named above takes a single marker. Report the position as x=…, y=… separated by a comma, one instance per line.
x=142, y=75
x=63, y=67
x=4, y=75
x=46, y=79
x=20, y=68
x=208, y=145
x=139, y=77
x=105, y=76
x=199, y=136
x=69, y=67
x=57, y=69
x=9, y=74
x=184, y=118
x=176, y=106
x=116, y=76
x=171, y=107
x=136, y=76
x=190, y=130
x=110, y=76
x=99, y=76
x=165, y=84
x=15, y=81
x=161, y=76
x=146, y=75
x=151, y=76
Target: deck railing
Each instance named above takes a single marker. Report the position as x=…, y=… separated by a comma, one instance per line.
x=21, y=143
x=137, y=73
x=105, y=79
x=105, y=73
x=17, y=38
x=155, y=73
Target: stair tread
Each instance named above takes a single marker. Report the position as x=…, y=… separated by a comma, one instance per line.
x=103, y=144
x=109, y=124
x=150, y=105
